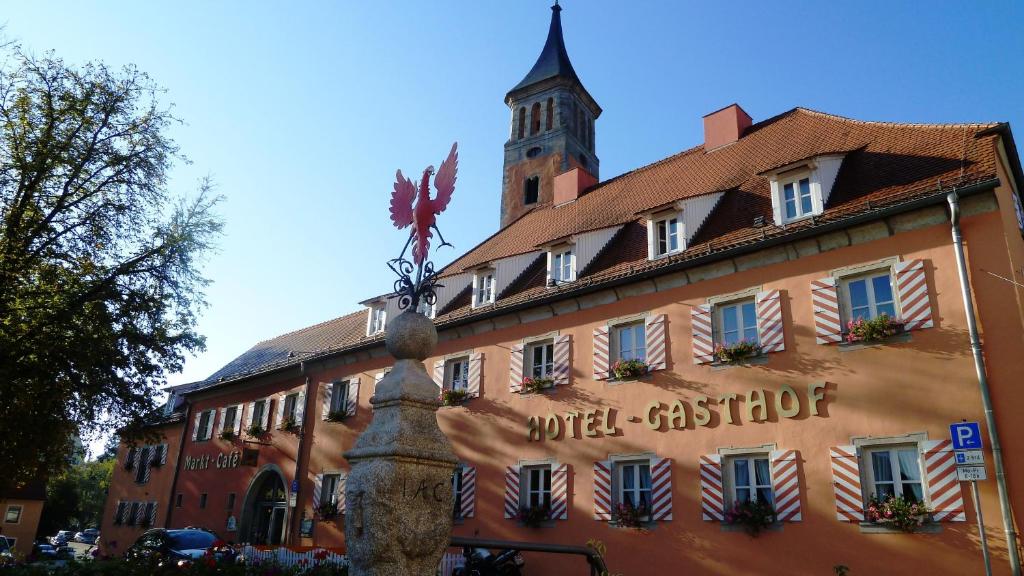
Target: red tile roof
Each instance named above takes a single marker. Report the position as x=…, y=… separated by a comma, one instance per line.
x=885, y=163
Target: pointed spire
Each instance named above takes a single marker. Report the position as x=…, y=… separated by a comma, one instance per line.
x=553, y=60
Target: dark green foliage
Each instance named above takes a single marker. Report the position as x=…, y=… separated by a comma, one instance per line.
x=99, y=286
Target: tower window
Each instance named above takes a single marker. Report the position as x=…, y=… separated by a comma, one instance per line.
x=550, y=114
x=522, y=122
x=531, y=190
x=535, y=118
x=533, y=152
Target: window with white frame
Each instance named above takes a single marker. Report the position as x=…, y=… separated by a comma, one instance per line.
x=259, y=407
x=483, y=288
x=427, y=309
x=456, y=373
x=633, y=484
x=749, y=478
x=205, y=429
x=540, y=359
x=868, y=296
x=230, y=417
x=291, y=404
x=536, y=486
x=796, y=197
x=339, y=397
x=668, y=235
x=329, y=489
x=563, y=265
x=737, y=321
x=457, y=492
x=629, y=341
x=13, y=514
x=894, y=471
x=378, y=319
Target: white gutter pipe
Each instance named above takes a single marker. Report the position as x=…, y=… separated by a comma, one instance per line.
x=986, y=399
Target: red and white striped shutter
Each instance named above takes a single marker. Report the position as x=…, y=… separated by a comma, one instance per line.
x=151, y=513
x=119, y=513
x=195, y=426
x=325, y=406
x=163, y=454
x=912, y=286
x=145, y=459
x=352, y=401
x=239, y=409
x=248, y=415
x=661, y=489
x=846, y=484
x=511, y=491
x=944, y=494
x=786, y=485
x=603, y=491
x=300, y=407
x=279, y=414
x=439, y=374
x=515, y=369
x=468, y=491
x=769, y=321
x=140, y=514
x=656, y=342
x=340, y=494
x=220, y=422
x=476, y=372
x=129, y=456
x=560, y=492
x=265, y=424
x=712, y=500
x=601, y=362
x=138, y=458
x=825, y=300
x=562, y=364
x=318, y=483
x=210, y=424
x=703, y=341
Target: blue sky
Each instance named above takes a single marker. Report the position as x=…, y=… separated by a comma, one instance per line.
x=302, y=111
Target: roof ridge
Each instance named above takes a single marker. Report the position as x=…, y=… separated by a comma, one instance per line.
x=890, y=123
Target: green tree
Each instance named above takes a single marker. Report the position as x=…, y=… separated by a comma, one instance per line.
x=75, y=498
x=99, y=280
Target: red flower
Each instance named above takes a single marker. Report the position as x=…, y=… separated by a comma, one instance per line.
x=320, y=555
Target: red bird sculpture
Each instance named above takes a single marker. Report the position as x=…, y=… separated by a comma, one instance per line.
x=423, y=215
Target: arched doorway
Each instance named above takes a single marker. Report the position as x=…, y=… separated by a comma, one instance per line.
x=265, y=516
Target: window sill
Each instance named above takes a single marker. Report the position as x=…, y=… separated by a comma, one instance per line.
x=544, y=524
x=725, y=527
x=897, y=339
x=798, y=219
x=758, y=360
x=613, y=381
x=643, y=527
x=657, y=257
x=540, y=392
x=871, y=528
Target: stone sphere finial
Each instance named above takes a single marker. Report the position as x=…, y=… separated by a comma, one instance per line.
x=411, y=336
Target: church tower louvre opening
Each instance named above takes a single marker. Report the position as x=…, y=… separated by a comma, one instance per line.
x=552, y=128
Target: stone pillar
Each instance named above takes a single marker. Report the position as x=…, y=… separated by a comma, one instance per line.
x=398, y=495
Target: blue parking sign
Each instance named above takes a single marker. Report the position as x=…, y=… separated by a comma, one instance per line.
x=965, y=436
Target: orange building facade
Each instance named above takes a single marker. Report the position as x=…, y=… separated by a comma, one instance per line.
x=746, y=283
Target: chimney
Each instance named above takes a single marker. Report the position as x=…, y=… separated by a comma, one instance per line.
x=724, y=126
x=568, y=185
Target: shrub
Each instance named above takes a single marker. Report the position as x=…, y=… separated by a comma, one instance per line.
x=535, y=516
x=629, y=368
x=453, y=397
x=753, y=516
x=627, y=515
x=737, y=352
x=874, y=330
x=534, y=385
x=897, y=512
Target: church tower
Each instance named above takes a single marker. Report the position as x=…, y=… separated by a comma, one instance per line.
x=552, y=128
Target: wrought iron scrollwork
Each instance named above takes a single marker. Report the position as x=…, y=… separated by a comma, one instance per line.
x=411, y=292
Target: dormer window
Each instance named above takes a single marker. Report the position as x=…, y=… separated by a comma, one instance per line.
x=666, y=235
x=796, y=194
x=427, y=309
x=483, y=288
x=378, y=318
x=562, y=265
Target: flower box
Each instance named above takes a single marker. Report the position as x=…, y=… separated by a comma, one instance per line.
x=227, y=435
x=336, y=415
x=533, y=517
x=874, y=330
x=737, y=352
x=752, y=516
x=290, y=425
x=534, y=385
x=255, y=431
x=625, y=369
x=897, y=513
x=452, y=397
x=630, y=516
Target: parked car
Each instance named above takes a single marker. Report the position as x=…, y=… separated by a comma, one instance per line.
x=62, y=538
x=87, y=537
x=43, y=551
x=172, y=547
